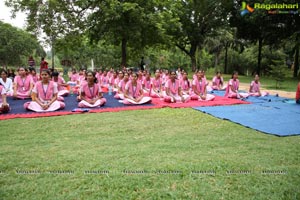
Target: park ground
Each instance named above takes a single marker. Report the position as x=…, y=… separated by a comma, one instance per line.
x=146, y=154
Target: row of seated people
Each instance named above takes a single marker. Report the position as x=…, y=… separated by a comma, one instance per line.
x=48, y=93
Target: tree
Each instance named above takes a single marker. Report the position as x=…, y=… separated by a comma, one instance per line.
x=189, y=22
x=127, y=23
x=119, y=22
x=223, y=39
x=54, y=18
x=16, y=44
x=263, y=28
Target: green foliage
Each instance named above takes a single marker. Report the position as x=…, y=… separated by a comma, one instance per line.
x=204, y=59
x=16, y=45
x=278, y=72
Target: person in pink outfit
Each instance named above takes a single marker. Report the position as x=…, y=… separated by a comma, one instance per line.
x=232, y=89
x=298, y=94
x=156, y=86
x=218, y=82
x=32, y=73
x=255, y=88
x=73, y=77
x=134, y=92
x=146, y=83
x=23, y=85
x=185, y=84
x=118, y=80
x=61, y=84
x=121, y=86
x=44, y=95
x=90, y=92
x=173, y=91
x=199, y=88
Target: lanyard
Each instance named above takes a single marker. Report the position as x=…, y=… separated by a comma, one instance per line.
x=45, y=91
x=157, y=83
x=200, y=86
x=92, y=91
x=235, y=85
x=134, y=90
x=23, y=82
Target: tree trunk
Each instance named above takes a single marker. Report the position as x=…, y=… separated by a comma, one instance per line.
x=124, y=53
x=217, y=59
x=192, y=55
x=296, y=63
x=259, y=56
x=226, y=59
x=52, y=51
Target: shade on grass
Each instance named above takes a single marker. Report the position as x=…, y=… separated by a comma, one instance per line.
x=174, y=148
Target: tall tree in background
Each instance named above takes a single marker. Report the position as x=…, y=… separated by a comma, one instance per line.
x=53, y=18
x=119, y=22
x=16, y=44
x=223, y=39
x=189, y=22
x=262, y=27
x=125, y=23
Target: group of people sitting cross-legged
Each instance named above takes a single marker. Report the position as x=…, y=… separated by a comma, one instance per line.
x=47, y=90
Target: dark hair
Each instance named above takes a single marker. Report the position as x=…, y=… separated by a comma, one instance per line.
x=47, y=71
x=23, y=68
x=93, y=73
x=55, y=73
x=233, y=73
x=31, y=69
x=135, y=73
x=3, y=70
x=173, y=71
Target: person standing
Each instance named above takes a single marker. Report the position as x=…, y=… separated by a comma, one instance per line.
x=43, y=65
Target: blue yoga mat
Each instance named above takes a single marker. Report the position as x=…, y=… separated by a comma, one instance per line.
x=70, y=104
x=281, y=118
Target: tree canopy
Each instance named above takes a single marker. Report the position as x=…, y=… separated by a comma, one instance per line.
x=211, y=30
x=15, y=44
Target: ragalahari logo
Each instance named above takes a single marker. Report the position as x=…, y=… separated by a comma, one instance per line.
x=245, y=9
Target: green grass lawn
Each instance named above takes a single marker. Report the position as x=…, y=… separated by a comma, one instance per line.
x=173, y=147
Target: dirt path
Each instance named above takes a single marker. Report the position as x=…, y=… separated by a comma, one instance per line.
x=244, y=86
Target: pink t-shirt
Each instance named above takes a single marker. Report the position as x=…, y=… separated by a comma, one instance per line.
x=255, y=86
x=173, y=86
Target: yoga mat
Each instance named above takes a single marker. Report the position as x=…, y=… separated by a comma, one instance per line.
x=277, y=118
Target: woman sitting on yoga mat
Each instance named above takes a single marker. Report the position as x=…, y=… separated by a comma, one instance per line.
x=173, y=91
x=199, y=88
x=90, y=92
x=118, y=80
x=32, y=74
x=232, y=89
x=44, y=95
x=6, y=83
x=61, y=84
x=121, y=86
x=134, y=92
x=218, y=82
x=185, y=84
x=255, y=88
x=298, y=94
x=156, y=85
x=23, y=85
x=146, y=83
x=4, y=107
